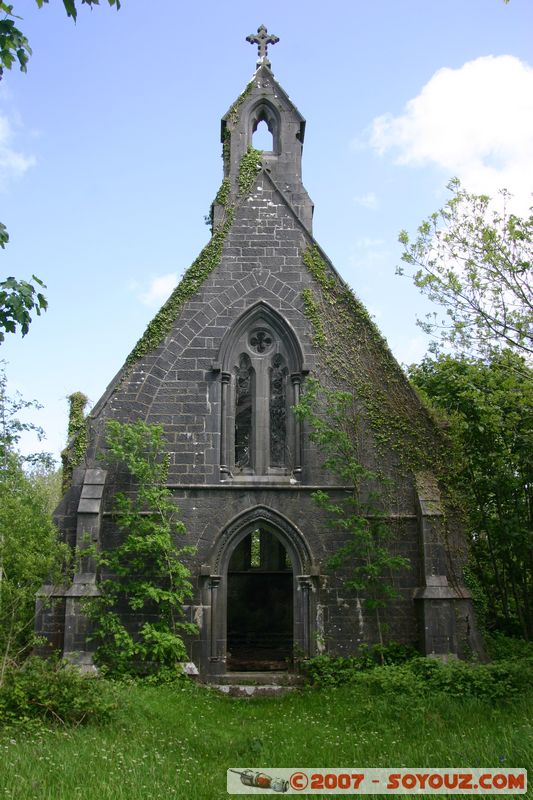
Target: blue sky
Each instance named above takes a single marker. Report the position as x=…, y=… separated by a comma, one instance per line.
x=110, y=154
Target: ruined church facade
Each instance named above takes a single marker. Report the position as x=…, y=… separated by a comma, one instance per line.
x=221, y=367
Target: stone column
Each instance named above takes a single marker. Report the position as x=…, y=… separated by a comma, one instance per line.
x=296, y=379
x=225, y=379
x=214, y=583
x=304, y=589
x=76, y=648
x=435, y=599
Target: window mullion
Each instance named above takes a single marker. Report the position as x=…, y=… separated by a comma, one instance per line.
x=261, y=424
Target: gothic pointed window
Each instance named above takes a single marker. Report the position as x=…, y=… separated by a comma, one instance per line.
x=264, y=128
x=244, y=396
x=278, y=412
x=260, y=380
x=262, y=138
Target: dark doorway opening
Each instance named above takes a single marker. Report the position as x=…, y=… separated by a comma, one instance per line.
x=260, y=604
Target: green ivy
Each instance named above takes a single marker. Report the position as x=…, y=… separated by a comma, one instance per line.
x=222, y=196
x=353, y=351
x=138, y=617
x=352, y=348
x=208, y=259
x=233, y=113
x=312, y=312
x=365, y=556
x=226, y=145
x=250, y=166
x=77, y=437
x=233, y=118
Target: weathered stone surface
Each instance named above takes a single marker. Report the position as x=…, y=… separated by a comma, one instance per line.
x=188, y=385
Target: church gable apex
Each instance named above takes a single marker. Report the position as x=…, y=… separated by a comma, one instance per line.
x=264, y=101
x=262, y=86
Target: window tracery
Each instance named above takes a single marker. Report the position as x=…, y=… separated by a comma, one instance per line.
x=260, y=381
x=243, y=413
x=278, y=412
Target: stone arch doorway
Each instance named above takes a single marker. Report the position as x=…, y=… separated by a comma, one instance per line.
x=260, y=607
x=262, y=594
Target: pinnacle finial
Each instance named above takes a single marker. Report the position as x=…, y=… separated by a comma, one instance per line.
x=262, y=39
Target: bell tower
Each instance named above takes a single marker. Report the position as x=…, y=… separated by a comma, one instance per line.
x=263, y=100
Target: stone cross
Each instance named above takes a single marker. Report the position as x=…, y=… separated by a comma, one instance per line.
x=262, y=39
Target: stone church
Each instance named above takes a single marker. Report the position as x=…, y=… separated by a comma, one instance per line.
x=261, y=312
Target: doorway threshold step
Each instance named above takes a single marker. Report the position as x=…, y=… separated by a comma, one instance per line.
x=249, y=691
x=266, y=678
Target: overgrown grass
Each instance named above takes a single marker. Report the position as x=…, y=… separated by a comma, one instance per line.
x=177, y=741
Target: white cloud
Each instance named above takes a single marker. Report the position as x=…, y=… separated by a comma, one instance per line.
x=475, y=122
x=368, y=200
x=158, y=290
x=12, y=163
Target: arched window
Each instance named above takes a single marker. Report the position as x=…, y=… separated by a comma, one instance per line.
x=261, y=368
x=278, y=412
x=262, y=138
x=244, y=413
x=264, y=128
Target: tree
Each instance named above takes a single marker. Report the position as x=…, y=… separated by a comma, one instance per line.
x=138, y=617
x=30, y=551
x=30, y=555
x=490, y=405
x=366, y=554
x=19, y=298
x=11, y=427
x=476, y=262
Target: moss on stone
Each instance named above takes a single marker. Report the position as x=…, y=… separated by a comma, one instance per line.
x=312, y=312
x=193, y=279
x=233, y=113
x=226, y=146
x=353, y=350
x=202, y=267
x=249, y=167
x=77, y=437
x=222, y=196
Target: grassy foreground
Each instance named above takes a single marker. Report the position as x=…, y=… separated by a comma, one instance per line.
x=177, y=741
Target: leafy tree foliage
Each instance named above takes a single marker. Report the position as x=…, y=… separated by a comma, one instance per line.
x=17, y=300
x=491, y=407
x=138, y=618
x=476, y=263
x=29, y=548
x=29, y=555
x=366, y=555
x=12, y=427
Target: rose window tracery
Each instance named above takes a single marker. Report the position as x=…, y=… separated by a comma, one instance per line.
x=261, y=341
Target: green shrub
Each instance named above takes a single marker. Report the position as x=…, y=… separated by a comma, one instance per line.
x=54, y=691
x=501, y=647
x=144, y=577
x=490, y=681
x=327, y=671
x=497, y=681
